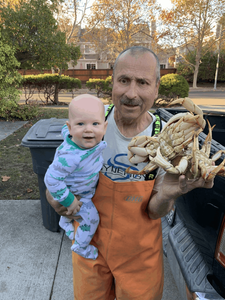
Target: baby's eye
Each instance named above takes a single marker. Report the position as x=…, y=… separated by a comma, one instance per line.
x=95, y=123
x=80, y=123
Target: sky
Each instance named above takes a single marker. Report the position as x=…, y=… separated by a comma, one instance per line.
x=165, y=3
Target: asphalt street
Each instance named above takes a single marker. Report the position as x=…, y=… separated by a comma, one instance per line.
x=207, y=94
x=204, y=97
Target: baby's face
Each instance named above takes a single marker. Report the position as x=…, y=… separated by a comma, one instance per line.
x=87, y=126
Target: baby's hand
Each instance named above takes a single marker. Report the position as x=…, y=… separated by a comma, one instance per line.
x=74, y=207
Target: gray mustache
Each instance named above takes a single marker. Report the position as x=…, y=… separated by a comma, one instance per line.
x=129, y=101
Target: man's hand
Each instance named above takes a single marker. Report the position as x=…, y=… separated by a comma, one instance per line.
x=74, y=207
x=176, y=185
x=172, y=187
x=60, y=209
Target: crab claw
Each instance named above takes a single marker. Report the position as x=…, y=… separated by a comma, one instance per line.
x=192, y=107
x=213, y=171
x=129, y=171
x=139, y=141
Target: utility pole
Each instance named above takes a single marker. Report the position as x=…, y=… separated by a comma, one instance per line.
x=218, y=56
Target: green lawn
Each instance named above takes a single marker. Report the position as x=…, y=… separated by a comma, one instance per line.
x=16, y=162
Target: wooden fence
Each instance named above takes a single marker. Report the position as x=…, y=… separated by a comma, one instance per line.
x=85, y=75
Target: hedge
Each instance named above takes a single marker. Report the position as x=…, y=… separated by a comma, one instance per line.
x=49, y=85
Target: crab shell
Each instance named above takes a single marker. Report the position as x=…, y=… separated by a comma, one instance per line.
x=176, y=135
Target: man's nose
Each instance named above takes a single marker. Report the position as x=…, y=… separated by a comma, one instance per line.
x=131, y=92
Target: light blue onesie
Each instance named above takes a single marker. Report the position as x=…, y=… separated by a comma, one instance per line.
x=75, y=171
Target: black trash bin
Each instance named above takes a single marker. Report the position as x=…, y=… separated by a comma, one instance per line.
x=43, y=138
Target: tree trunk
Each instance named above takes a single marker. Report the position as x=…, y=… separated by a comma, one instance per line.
x=56, y=94
x=195, y=78
x=197, y=62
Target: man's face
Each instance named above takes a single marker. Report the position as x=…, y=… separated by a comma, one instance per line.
x=134, y=85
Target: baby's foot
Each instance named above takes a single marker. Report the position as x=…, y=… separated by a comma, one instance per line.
x=90, y=252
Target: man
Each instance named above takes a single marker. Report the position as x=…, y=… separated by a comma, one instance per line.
x=129, y=237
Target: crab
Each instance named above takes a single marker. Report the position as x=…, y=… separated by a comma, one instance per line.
x=171, y=142
x=200, y=162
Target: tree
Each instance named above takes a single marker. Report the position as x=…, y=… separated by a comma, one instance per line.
x=10, y=79
x=207, y=67
x=190, y=24
x=32, y=29
x=70, y=15
x=116, y=22
x=12, y=3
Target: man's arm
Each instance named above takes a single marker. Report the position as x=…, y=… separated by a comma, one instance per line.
x=60, y=209
x=172, y=187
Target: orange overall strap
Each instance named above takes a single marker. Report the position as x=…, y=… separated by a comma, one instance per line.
x=129, y=244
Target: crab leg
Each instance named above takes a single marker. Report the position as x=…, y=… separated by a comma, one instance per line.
x=207, y=143
x=139, y=141
x=221, y=172
x=213, y=171
x=150, y=167
x=194, y=162
x=190, y=106
x=167, y=166
x=136, y=159
x=217, y=155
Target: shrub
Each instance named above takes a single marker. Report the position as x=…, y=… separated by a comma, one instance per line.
x=12, y=110
x=49, y=85
x=10, y=79
x=101, y=86
x=173, y=86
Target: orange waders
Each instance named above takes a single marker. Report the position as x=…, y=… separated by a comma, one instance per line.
x=129, y=245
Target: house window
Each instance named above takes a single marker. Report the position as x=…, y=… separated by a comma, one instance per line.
x=86, y=49
x=91, y=66
x=163, y=66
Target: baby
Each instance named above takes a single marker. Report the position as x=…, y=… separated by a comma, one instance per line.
x=75, y=170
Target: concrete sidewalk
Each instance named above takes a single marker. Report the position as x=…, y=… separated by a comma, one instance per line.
x=35, y=263
x=8, y=127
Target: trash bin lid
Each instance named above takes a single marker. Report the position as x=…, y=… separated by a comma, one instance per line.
x=46, y=133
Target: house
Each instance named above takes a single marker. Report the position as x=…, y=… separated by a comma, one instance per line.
x=92, y=58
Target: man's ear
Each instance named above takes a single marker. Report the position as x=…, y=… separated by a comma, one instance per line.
x=158, y=84
x=157, y=89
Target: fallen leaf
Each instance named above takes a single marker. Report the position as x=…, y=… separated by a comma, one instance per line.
x=5, y=178
x=29, y=190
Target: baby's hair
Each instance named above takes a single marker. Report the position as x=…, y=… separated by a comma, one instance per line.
x=70, y=110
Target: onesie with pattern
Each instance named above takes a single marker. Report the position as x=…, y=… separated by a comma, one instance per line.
x=75, y=171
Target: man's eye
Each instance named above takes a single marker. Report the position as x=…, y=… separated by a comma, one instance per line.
x=142, y=82
x=124, y=80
